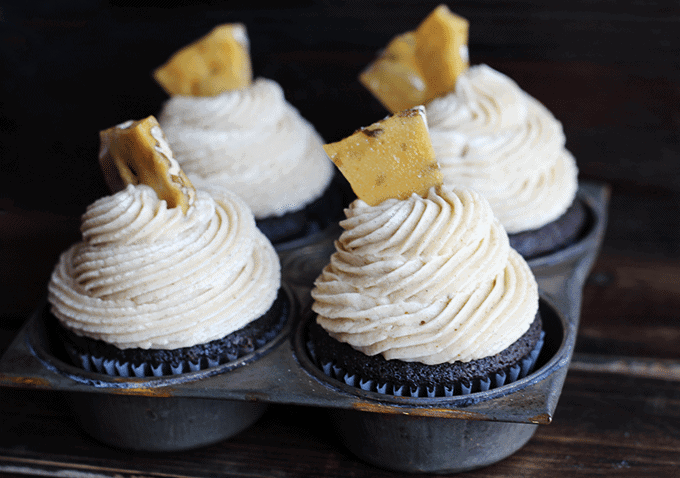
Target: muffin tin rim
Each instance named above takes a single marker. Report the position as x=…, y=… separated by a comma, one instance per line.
x=297, y=392
x=20, y=368
x=99, y=380
x=558, y=360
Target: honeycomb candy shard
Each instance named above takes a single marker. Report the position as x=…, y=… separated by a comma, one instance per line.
x=136, y=152
x=419, y=65
x=392, y=158
x=213, y=64
x=441, y=49
x=395, y=78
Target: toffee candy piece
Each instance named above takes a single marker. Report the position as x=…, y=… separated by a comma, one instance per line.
x=420, y=65
x=136, y=152
x=217, y=62
x=392, y=158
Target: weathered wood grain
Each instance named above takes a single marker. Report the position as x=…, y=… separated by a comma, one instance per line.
x=604, y=424
x=630, y=308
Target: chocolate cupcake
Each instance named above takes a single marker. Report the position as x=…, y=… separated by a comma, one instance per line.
x=487, y=133
x=414, y=379
x=319, y=215
x=246, y=137
x=425, y=297
x=99, y=356
x=158, y=288
x=556, y=235
x=493, y=137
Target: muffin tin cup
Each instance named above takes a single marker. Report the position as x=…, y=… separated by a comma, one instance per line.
x=199, y=408
x=428, y=445
x=410, y=434
x=144, y=413
x=418, y=435
x=161, y=423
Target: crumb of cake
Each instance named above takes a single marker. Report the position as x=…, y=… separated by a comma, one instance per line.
x=419, y=65
x=136, y=152
x=213, y=64
x=392, y=158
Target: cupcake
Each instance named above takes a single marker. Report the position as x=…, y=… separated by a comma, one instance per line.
x=424, y=295
x=228, y=130
x=492, y=136
x=489, y=135
x=167, y=279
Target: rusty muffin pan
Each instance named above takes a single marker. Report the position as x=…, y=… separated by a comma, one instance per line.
x=399, y=433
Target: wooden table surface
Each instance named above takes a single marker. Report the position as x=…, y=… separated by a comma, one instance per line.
x=610, y=72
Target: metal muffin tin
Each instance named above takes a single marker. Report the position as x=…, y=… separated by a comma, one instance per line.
x=398, y=433
x=564, y=272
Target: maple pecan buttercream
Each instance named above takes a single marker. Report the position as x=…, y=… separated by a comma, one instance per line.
x=430, y=280
x=492, y=136
x=251, y=141
x=145, y=276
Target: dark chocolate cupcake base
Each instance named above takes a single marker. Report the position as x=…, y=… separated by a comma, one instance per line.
x=556, y=235
x=412, y=379
x=325, y=211
x=99, y=356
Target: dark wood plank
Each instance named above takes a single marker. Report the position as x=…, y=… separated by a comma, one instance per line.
x=632, y=430
x=630, y=308
x=622, y=434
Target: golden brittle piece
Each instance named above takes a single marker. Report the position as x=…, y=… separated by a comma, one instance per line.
x=136, y=152
x=213, y=64
x=392, y=158
x=420, y=65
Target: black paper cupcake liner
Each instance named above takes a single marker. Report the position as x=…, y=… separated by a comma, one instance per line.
x=160, y=363
x=117, y=368
x=471, y=380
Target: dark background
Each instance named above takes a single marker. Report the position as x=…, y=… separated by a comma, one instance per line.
x=609, y=70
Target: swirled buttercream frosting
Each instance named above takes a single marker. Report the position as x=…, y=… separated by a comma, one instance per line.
x=145, y=276
x=251, y=141
x=492, y=136
x=430, y=280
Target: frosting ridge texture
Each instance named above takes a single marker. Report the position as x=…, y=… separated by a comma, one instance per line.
x=492, y=136
x=431, y=280
x=251, y=141
x=151, y=277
